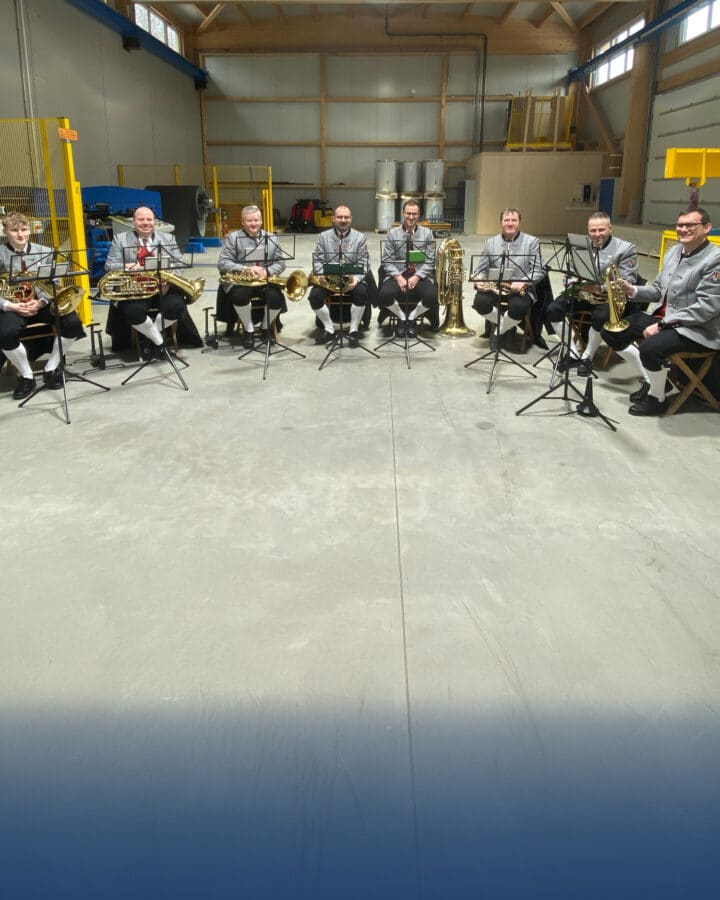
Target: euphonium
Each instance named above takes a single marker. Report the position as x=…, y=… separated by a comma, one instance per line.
x=294, y=285
x=449, y=270
x=128, y=286
x=616, y=300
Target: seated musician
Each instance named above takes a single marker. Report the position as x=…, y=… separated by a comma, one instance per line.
x=607, y=250
x=17, y=312
x=247, y=258
x=128, y=252
x=516, y=257
x=687, y=317
x=340, y=245
x=408, y=290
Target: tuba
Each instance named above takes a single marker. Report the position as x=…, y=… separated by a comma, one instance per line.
x=450, y=284
x=616, y=300
x=294, y=285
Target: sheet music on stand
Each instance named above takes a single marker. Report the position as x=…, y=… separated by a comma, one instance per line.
x=506, y=268
x=584, y=260
x=270, y=248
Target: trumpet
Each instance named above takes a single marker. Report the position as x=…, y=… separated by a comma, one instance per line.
x=294, y=285
x=142, y=286
x=336, y=284
x=501, y=290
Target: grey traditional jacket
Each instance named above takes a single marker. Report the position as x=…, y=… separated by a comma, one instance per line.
x=240, y=251
x=126, y=244
x=10, y=263
x=330, y=248
x=519, y=259
x=395, y=248
x=691, y=285
x=618, y=253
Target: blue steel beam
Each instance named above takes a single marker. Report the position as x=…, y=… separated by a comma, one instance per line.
x=113, y=20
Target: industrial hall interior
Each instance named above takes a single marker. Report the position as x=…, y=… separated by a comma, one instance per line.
x=359, y=422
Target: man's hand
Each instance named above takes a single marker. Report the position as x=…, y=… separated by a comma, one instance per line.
x=27, y=309
x=651, y=330
x=412, y=282
x=402, y=283
x=517, y=287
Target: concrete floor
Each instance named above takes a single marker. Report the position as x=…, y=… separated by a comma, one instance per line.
x=358, y=633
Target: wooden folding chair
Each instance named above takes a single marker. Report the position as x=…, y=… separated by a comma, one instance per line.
x=694, y=367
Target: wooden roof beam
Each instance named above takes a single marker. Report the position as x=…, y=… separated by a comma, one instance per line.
x=210, y=17
x=507, y=12
x=565, y=16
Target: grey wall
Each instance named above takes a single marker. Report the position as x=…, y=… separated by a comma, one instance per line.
x=128, y=107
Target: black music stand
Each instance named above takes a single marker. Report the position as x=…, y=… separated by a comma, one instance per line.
x=343, y=268
x=415, y=255
x=267, y=252
x=48, y=267
x=155, y=264
x=511, y=268
x=577, y=263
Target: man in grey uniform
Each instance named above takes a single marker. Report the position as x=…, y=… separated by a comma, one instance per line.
x=607, y=250
x=343, y=246
x=687, y=317
x=515, y=258
x=407, y=284
x=255, y=255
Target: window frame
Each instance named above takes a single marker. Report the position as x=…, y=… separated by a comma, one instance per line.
x=168, y=28
x=619, y=64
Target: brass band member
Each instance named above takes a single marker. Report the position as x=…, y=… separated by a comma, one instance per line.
x=17, y=315
x=687, y=317
x=255, y=254
x=516, y=256
x=608, y=250
x=340, y=244
x=128, y=252
x=406, y=284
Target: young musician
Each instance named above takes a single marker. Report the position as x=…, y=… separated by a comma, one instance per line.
x=17, y=255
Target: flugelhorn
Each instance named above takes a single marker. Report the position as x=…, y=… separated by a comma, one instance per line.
x=294, y=285
x=336, y=284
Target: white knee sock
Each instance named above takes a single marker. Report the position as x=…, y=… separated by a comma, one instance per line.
x=657, y=384
x=148, y=330
x=492, y=316
x=161, y=323
x=394, y=308
x=356, y=314
x=245, y=316
x=632, y=355
x=18, y=357
x=60, y=345
x=594, y=341
x=324, y=315
x=506, y=323
x=418, y=311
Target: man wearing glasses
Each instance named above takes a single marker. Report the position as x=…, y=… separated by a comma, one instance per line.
x=687, y=317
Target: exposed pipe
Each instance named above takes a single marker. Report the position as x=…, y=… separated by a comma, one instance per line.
x=25, y=53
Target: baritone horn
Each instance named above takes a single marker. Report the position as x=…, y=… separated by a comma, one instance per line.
x=294, y=285
x=449, y=271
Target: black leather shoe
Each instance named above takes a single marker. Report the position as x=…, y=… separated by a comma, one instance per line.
x=248, y=340
x=23, y=388
x=565, y=363
x=641, y=393
x=649, y=406
x=353, y=339
x=52, y=379
x=541, y=343
x=400, y=328
x=324, y=337
x=584, y=368
x=412, y=328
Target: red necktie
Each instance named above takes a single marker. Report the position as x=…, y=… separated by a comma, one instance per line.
x=143, y=252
